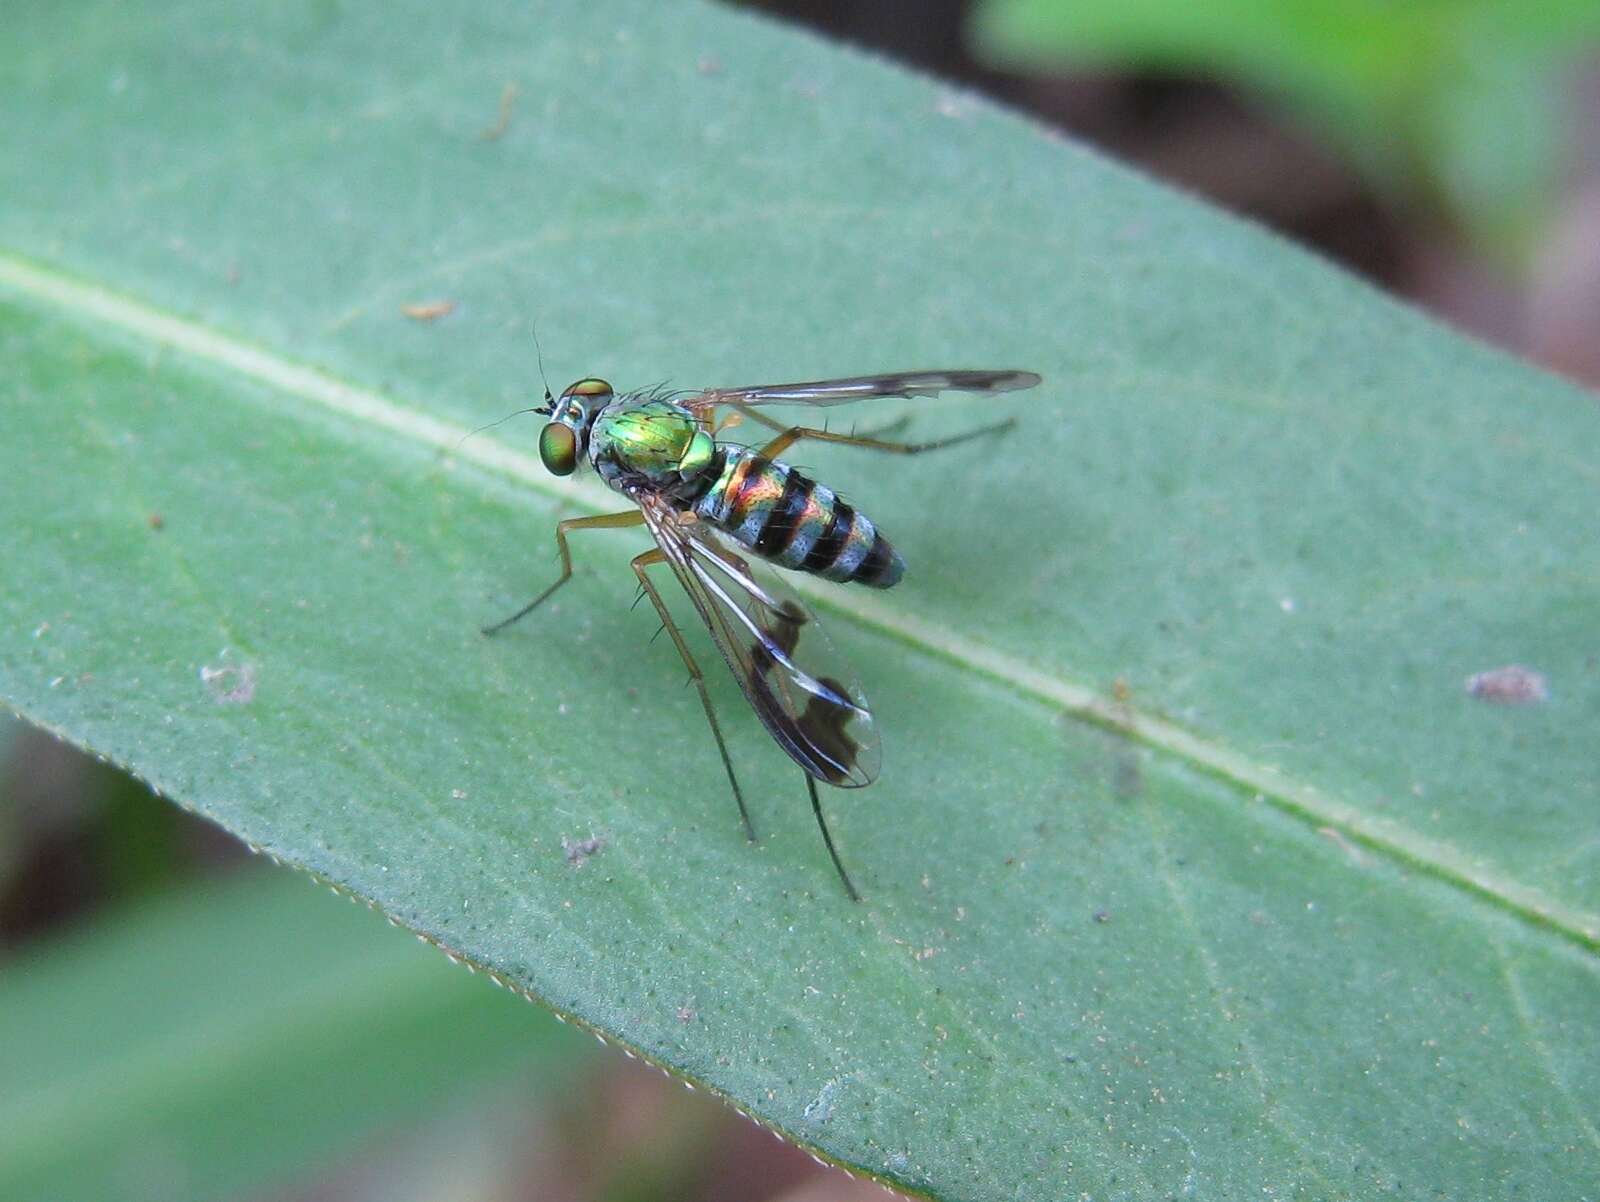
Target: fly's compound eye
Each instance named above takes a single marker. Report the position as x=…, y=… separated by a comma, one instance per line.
x=558, y=449
x=589, y=388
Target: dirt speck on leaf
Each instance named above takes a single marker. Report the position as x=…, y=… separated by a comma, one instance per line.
x=1510, y=685
x=431, y=310
x=820, y=1108
x=578, y=851
x=502, y=120
x=1338, y=839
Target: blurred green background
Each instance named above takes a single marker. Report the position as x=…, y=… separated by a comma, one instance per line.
x=1448, y=151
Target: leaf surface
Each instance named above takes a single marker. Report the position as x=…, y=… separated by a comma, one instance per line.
x=1194, y=867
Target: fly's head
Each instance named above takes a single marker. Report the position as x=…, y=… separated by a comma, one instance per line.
x=565, y=437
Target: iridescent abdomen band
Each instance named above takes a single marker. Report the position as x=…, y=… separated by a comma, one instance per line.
x=791, y=520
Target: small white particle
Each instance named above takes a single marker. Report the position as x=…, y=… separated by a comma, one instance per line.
x=820, y=1108
x=229, y=684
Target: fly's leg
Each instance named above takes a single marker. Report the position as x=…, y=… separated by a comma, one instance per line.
x=794, y=434
x=773, y=423
x=632, y=517
x=816, y=808
x=640, y=563
x=877, y=432
x=743, y=568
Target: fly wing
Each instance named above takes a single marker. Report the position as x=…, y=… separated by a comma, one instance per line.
x=776, y=651
x=862, y=388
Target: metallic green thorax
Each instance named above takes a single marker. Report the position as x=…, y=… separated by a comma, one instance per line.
x=653, y=445
x=655, y=439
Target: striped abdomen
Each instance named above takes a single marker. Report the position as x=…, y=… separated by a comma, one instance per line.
x=791, y=520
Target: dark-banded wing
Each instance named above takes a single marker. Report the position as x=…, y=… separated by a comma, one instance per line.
x=776, y=651
x=862, y=388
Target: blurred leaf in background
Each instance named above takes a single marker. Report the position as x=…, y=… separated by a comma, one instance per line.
x=241, y=1034
x=76, y=832
x=1456, y=105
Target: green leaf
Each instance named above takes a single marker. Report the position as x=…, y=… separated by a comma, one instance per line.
x=233, y=1037
x=1194, y=866
x=1456, y=103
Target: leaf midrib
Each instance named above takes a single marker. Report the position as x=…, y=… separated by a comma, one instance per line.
x=90, y=303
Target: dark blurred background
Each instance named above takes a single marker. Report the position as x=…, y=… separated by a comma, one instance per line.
x=1449, y=152
x=1446, y=150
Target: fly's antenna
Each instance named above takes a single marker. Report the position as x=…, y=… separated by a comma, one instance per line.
x=538, y=354
x=497, y=422
x=549, y=400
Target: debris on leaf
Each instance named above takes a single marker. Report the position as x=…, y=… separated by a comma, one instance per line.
x=429, y=310
x=1511, y=685
x=229, y=684
x=820, y=1108
x=579, y=850
x=502, y=121
x=1337, y=837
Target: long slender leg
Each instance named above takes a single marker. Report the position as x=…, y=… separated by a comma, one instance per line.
x=640, y=563
x=816, y=808
x=754, y=415
x=773, y=423
x=795, y=433
x=631, y=517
